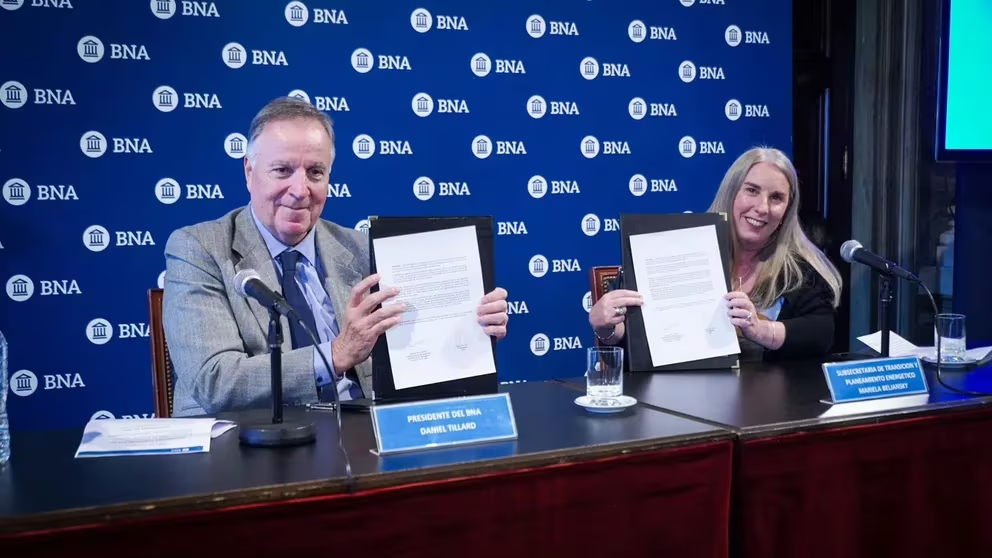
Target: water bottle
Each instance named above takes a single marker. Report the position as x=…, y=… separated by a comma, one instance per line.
x=4, y=425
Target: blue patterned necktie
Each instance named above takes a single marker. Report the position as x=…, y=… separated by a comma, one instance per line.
x=294, y=296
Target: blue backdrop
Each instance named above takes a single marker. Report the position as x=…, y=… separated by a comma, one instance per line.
x=124, y=119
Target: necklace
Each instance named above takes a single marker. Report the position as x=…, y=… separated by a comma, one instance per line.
x=743, y=278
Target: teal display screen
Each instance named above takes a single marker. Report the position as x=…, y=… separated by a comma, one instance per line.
x=968, y=92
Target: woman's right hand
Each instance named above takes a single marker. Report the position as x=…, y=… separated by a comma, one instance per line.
x=603, y=316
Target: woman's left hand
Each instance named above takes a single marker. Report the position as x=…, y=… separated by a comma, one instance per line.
x=741, y=310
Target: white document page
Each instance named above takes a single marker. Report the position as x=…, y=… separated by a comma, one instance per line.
x=681, y=276
x=899, y=346
x=110, y=437
x=439, y=275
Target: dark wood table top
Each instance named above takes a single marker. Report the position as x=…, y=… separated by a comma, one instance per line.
x=767, y=399
x=44, y=486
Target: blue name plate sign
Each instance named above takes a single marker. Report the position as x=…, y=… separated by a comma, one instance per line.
x=443, y=423
x=861, y=380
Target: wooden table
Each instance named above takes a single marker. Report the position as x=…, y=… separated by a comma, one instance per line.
x=644, y=482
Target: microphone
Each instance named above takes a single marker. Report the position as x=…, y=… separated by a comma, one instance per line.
x=852, y=251
x=278, y=432
x=248, y=283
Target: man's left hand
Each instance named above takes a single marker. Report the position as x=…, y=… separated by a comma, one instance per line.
x=492, y=313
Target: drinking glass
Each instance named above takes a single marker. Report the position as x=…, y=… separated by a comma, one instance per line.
x=604, y=373
x=953, y=341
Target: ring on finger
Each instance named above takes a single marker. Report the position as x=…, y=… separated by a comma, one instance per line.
x=620, y=310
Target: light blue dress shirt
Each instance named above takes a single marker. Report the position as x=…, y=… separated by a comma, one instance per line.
x=308, y=277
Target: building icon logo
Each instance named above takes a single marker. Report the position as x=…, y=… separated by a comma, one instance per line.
x=16, y=192
x=537, y=106
x=361, y=60
x=20, y=288
x=423, y=188
x=165, y=98
x=23, y=383
x=687, y=147
x=163, y=9
x=235, y=145
x=687, y=71
x=589, y=147
x=482, y=147
x=297, y=14
x=481, y=64
x=90, y=49
x=540, y=344
x=96, y=238
x=538, y=266
x=93, y=144
x=537, y=186
x=13, y=95
x=591, y=224
x=589, y=68
x=638, y=185
x=363, y=146
x=421, y=20
x=99, y=331
x=422, y=104
x=733, y=35
x=636, y=31
x=167, y=191
x=299, y=94
x=536, y=26
x=234, y=55
x=637, y=108
x=732, y=110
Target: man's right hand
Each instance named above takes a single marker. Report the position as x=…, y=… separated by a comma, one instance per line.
x=363, y=324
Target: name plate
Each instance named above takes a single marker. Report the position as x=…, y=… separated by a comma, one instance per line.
x=443, y=423
x=861, y=380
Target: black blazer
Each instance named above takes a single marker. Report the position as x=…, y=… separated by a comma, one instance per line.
x=808, y=315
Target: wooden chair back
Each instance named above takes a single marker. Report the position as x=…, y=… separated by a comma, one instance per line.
x=162, y=374
x=601, y=280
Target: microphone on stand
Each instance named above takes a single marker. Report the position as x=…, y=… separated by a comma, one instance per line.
x=248, y=283
x=852, y=251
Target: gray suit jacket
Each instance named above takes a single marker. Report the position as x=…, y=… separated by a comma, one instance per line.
x=217, y=338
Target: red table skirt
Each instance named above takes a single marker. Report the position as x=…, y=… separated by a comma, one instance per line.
x=673, y=502
x=919, y=487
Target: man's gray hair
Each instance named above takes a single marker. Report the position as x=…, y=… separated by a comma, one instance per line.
x=286, y=108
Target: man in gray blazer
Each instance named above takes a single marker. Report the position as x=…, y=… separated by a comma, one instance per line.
x=217, y=338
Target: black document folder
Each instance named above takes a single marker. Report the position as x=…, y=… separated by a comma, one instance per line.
x=382, y=376
x=635, y=338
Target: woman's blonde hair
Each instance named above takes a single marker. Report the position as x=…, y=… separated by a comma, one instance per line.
x=779, y=268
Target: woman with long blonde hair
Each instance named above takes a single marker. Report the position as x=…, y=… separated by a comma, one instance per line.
x=784, y=289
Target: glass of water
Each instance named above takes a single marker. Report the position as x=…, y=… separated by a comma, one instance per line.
x=604, y=373
x=953, y=341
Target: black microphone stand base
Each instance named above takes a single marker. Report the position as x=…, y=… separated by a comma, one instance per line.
x=277, y=431
x=269, y=435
